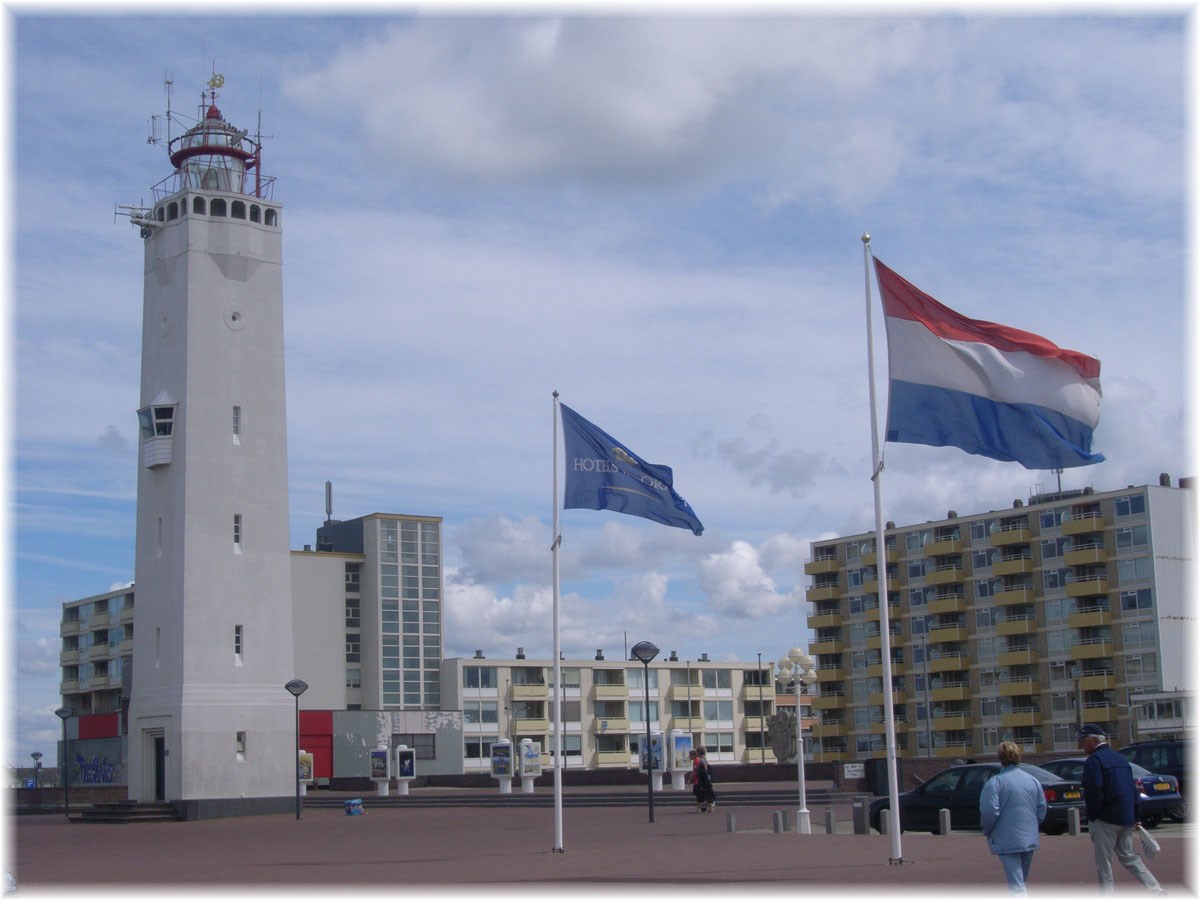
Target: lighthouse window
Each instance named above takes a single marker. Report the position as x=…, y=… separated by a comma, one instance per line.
x=238, y=209
x=270, y=217
x=198, y=205
x=172, y=211
x=156, y=421
x=158, y=214
x=218, y=207
x=255, y=213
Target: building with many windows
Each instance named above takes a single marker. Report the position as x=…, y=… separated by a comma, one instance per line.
x=1016, y=624
x=723, y=706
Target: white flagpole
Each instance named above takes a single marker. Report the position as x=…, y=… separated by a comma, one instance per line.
x=557, y=701
x=885, y=639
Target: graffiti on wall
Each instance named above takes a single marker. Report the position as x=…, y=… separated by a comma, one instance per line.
x=97, y=770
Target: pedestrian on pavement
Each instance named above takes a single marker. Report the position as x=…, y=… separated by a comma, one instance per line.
x=1011, y=806
x=1113, y=808
x=703, y=777
x=694, y=779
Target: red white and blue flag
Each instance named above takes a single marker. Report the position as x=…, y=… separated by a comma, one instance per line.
x=985, y=388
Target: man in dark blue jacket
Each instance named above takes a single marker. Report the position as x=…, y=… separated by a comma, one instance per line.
x=1113, y=808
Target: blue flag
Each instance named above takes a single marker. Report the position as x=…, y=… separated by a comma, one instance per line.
x=602, y=473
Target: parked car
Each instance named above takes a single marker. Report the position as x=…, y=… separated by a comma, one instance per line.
x=1170, y=756
x=958, y=788
x=1159, y=793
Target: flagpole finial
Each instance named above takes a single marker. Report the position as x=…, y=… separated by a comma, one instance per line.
x=556, y=395
x=866, y=238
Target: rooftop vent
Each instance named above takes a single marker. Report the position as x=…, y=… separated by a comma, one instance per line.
x=520, y=653
x=703, y=657
x=600, y=654
x=479, y=654
x=674, y=657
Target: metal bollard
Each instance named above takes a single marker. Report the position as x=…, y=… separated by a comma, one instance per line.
x=777, y=821
x=858, y=807
x=885, y=822
x=943, y=821
x=1073, y=824
x=830, y=824
x=730, y=823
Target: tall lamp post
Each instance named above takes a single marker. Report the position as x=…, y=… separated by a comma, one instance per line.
x=296, y=687
x=797, y=671
x=643, y=652
x=64, y=713
x=37, y=767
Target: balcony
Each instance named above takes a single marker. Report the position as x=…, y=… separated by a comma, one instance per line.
x=1092, y=618
x=1024, y=656
x=944, y=605
x=953, y=633
x=876, y=671
x=830, y=729
x=955, y=722
x=944, y=575
x=876, y=698
x=1099, y=682
x=1019, y=687
x=868, y=558
x=604, y=726
x=531, y=692
x=1014, y=565
x=1099, y=649
x=612, y=758
x=1017, y=625
x=825, y=620
x=953, y=749
x=684, y=723
x=1102, y=713
x=68, y=657
x=871, y=588
x=1011, y=536
x=1014, y=596
x=1087, y=523
x=829, y=701
x=684, y=692
x=69, y=687
x=1086, y=556
x=821, y=566
x=819, y=647
x=599, y=692
x=831, y=673
x=817, y=594
x=955, y=662
x=1088, y=586
x=894, y=611
x=1021, y=719
x=951, y=692
x=946, y=547
x=67, y=627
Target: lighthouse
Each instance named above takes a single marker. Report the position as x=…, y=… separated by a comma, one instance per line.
x=211, y=728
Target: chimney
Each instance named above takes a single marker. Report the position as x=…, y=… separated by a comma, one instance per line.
x=599, y=654
x=520, y=653
x=703, y=657
x=1164, y=480
x=674, y=657
x=479, y=654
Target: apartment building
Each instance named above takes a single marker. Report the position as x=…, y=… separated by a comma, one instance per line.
x=1014, y=624
x=724, y=706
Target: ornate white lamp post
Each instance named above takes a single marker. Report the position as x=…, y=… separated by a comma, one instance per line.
x=797, y=671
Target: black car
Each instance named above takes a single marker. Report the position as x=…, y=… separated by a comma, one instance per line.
x=958, y=788
x=1160, y=798
x=1169, y=756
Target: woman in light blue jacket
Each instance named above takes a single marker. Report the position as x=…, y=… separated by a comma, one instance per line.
x=1011, y=807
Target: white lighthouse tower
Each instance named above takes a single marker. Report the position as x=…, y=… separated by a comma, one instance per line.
x=211, y=727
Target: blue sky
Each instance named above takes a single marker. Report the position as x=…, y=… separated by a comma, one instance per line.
x=658, y=216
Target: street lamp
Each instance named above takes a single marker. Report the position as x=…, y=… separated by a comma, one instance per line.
x=37, y=765
x=64, y=713
x=296, y=687
x=643, y=652
x=797, y=671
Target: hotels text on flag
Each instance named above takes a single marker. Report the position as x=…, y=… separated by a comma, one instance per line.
x=985, y=388
x=602, y=473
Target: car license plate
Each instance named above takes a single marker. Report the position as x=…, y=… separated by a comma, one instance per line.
x=1162, y=787
x=1071, y=795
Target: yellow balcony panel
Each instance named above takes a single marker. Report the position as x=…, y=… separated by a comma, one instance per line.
x=877, y=727
x=684, y=723
x=99, y=619
x=531, y=726
x=829, y=701
x=68, y=657
x=683, y=692
x=1025, y=719
x=951, y=723
x=1024, y=687
x=830, y=729
x=125, y=615
x=1009, y=537
x=1097, y=682
x=954, y=663
x=612, y=757
x=1086, y=556
x=956, y=692
x=531, y=692
x=947, y=633
x=816, y=594
x=876, y=698
x=599, y=691
x=125, y=648
x=1019, y=565
x=876, y=671
x=868, y=558
x=1087, y=524
x=1017, y=657
x=1095, y=650
x=943, y=548
x=1017, y=626
x=99, y=651
x=818, y=647
x=1090, y=619
x=946, y=605
x=1099, y=713
x=831, y=755
x=1020, y=595
x=68, y=687
x=820, y=566
x=604, y=726
x=894, y=610
x=66, y=628
x=947, y=575
x=825, y=620
x=952, y=750
x=830, y=673
x=1088, y=587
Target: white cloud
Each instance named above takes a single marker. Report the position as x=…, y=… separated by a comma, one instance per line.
x=738, y=587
